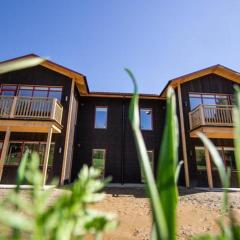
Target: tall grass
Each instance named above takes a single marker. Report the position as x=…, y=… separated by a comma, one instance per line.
x=163, y=194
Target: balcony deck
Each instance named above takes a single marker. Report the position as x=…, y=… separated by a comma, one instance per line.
x=30, y=113
x=216, y=121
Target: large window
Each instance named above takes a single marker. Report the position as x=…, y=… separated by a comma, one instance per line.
x=151, y=159
x=98, y=160
x=226, y=153
x=101, y=117
x=31, y=91
x=17, y=149
x=209, y=99
x=146, y=118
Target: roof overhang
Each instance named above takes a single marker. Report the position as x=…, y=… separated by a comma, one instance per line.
x=216, y=69
x=79, y=78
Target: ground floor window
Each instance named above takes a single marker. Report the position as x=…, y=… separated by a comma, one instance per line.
x=151, y=159
x=227, y=154
x=98, y=160
x=17, y=149
x=1, y=145
x=200, y=158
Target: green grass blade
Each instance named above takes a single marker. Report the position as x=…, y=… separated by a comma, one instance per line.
x=236, y=117
x=157, y=211
x=22, y=170
x=20, y=64
x=167, y=166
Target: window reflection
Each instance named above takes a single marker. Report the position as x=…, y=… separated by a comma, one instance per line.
x=196, y=99
x=146, y=118
x=101, y=117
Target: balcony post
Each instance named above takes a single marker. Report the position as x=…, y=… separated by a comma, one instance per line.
x=183, y=136
x=209, y=169
x=13, y=108
x=4, y=151
x=202, y=117
x=46, y=155
x=53, y=111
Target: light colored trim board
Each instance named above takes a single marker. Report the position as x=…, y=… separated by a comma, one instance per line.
x=28, y=126
x=46, y=155
x=214, y=132
x=184, y=147
x=209, y=170
x=4, y=151
x=66, y=146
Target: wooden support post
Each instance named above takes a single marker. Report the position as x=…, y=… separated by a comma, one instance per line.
x=209, y=169
x=182, y=127
x=4, y=151
x=13, y=108
x=66, y=146
x=46, y=155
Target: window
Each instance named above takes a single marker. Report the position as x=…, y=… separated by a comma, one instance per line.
x=146, y=118
x=226, y=153
x=209, y=99
x=40, y=91
x=8, y=90
x=101, y=117
x=200, y=158
x=1, y=145
x=98, y=160
x=17, y=149
x=151, y=159
x=31, y=91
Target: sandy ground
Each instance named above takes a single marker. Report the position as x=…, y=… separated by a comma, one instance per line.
x=197, y=212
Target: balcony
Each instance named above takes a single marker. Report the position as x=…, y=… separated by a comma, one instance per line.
x=216, y=121
x=29, y=109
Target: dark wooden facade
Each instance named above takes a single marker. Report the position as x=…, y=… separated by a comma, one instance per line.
x=211, y=83
x=121, y=157
x=38, y=76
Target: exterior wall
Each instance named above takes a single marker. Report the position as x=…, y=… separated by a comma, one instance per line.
x=121, y=157
x=207, y=84
x=40, y=75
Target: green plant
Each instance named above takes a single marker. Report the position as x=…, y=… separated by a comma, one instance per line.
x=68, y=217
x=163, y=193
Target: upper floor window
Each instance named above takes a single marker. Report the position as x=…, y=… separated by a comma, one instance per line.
x=209, y=99
x=31, y=91
x=101, y=117
x=8, y=90
x=40, y=91
x=146, y=118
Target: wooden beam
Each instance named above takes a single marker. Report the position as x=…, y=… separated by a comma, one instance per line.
x=29, y=126
x=4, y=151
x=184, y=147
x=209, y=169
x=66, y=146
x=214, y=132
x=46, y=155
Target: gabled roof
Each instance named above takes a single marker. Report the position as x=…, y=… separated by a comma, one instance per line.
x=216, y=69
x=79, y=78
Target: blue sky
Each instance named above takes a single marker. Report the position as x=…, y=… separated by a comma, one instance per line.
x=158, y=40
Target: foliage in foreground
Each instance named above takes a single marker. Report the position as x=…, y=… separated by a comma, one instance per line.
x=163, y=192
x=32, y=216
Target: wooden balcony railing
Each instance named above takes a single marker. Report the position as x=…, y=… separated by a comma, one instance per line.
x=30, y=108
x=215, y=115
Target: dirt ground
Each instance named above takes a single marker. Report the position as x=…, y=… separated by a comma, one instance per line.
x=197, y=212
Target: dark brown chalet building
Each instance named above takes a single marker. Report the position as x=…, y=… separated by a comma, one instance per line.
x=48, y=108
